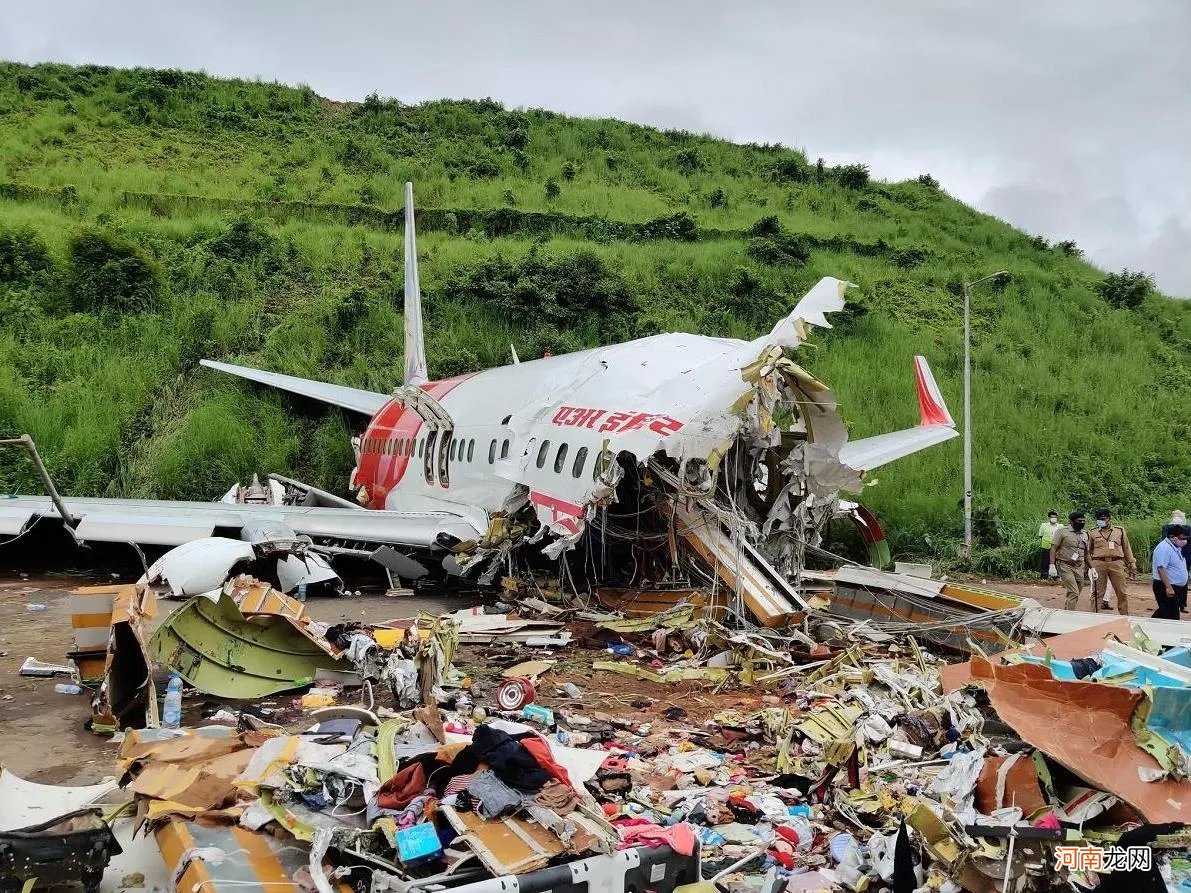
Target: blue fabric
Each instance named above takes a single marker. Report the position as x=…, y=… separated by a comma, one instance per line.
x=1168, y=555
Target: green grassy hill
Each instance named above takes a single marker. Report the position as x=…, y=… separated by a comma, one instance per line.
x=150, y=218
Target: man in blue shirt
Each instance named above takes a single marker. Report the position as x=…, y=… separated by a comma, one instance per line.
x=1170, y=572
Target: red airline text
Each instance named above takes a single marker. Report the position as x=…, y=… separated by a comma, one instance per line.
x=602, y=420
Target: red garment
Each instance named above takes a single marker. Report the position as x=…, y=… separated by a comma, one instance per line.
x=540, y=751
x=679, y=838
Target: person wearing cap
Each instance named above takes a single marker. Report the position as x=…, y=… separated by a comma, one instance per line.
x=1110, y=556
x=1069, y=558
x=1170, y=572
x=1046, y=535
x=1180, y=518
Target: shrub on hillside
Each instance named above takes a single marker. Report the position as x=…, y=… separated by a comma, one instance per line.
x=24, y=257
x=552, y=190
x=560, y=292
x=1069, y=248
x=1125, y=289
x=853, y=176
x=791, y=169
x=107, y=272
x=681, y=227
x=243, y=239
x=718, y=198
x=689, y=161
x=766, y=226
x=779, y=250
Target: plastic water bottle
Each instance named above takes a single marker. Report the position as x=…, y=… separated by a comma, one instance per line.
x=301, y=592
x=64, y=688
x=171, y=714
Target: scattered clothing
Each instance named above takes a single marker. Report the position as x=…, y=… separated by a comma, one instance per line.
x=508, y=759
x=558, y=797
x=679, y=838
x=493, y=798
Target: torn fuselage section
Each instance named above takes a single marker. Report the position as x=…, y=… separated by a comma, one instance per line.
x=749, y=438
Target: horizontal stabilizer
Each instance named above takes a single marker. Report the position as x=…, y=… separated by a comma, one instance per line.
x=935, y=426
x=366, y=402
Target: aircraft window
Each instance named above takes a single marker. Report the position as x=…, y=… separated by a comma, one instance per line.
x=504, y=450
x=445, y=449
x=471, y=449
x=492, y=452
x=420, y=442
x=451, y=451
x=580, y=459
x=542, y=451
x=428, y=458
x=560, y=459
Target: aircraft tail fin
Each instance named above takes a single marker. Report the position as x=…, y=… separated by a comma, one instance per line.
x=415, y=345
x=935, y=426
x=931, y=408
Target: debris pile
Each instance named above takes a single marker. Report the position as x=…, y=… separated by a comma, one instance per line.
x=450, y=751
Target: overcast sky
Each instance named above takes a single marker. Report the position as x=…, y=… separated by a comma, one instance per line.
x=1069, y=118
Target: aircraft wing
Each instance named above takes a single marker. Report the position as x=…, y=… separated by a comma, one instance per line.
x=935, y=426
x=366, y=402
x=166, y=523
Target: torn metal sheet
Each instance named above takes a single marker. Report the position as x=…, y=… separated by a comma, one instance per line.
x=127, y=698
x=220, y=652
x=1086, y=727
x=199, y=566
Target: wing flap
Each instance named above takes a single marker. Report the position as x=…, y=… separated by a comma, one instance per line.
x=366, y=402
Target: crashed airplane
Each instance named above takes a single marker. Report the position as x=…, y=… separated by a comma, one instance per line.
x=666, y=458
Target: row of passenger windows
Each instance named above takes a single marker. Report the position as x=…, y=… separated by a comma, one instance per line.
x=464, y=450
x=560, y=458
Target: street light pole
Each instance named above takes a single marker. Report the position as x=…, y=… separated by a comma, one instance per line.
x=967, y=550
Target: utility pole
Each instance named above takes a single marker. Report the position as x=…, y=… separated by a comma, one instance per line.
x=967, y=549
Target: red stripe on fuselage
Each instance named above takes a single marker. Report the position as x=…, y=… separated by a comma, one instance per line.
x=380, y=470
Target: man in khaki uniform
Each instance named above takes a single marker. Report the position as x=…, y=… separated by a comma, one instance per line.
x=1069, y=558
x=1110, y=556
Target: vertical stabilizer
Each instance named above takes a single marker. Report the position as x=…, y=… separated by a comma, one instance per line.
x=415, y=345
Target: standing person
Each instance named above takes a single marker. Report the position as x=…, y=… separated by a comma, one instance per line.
x=1110, y=556
x=1069, y=558
x=1178, y=517
x=1046, y=535
x=1170, y=572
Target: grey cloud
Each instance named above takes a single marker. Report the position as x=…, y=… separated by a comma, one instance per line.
x=1068, y=119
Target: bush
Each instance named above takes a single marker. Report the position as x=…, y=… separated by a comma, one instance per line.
x=680, y=227
x=779, y=250
x=791, y=169
x=1126, y=289
x=243, y=239
x=853, y=176
x=552, y=190
x=766, y=226
x=107, y=272
x=1069, y=248
x=563, y=292
x=689, y=161
x=928, y=181
x=23, y=256
x=569, y=171
x=718, y=198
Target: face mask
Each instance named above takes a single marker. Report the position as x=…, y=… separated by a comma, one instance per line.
x=1053, y=520
x=1100, y=522
x=1077, y=525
